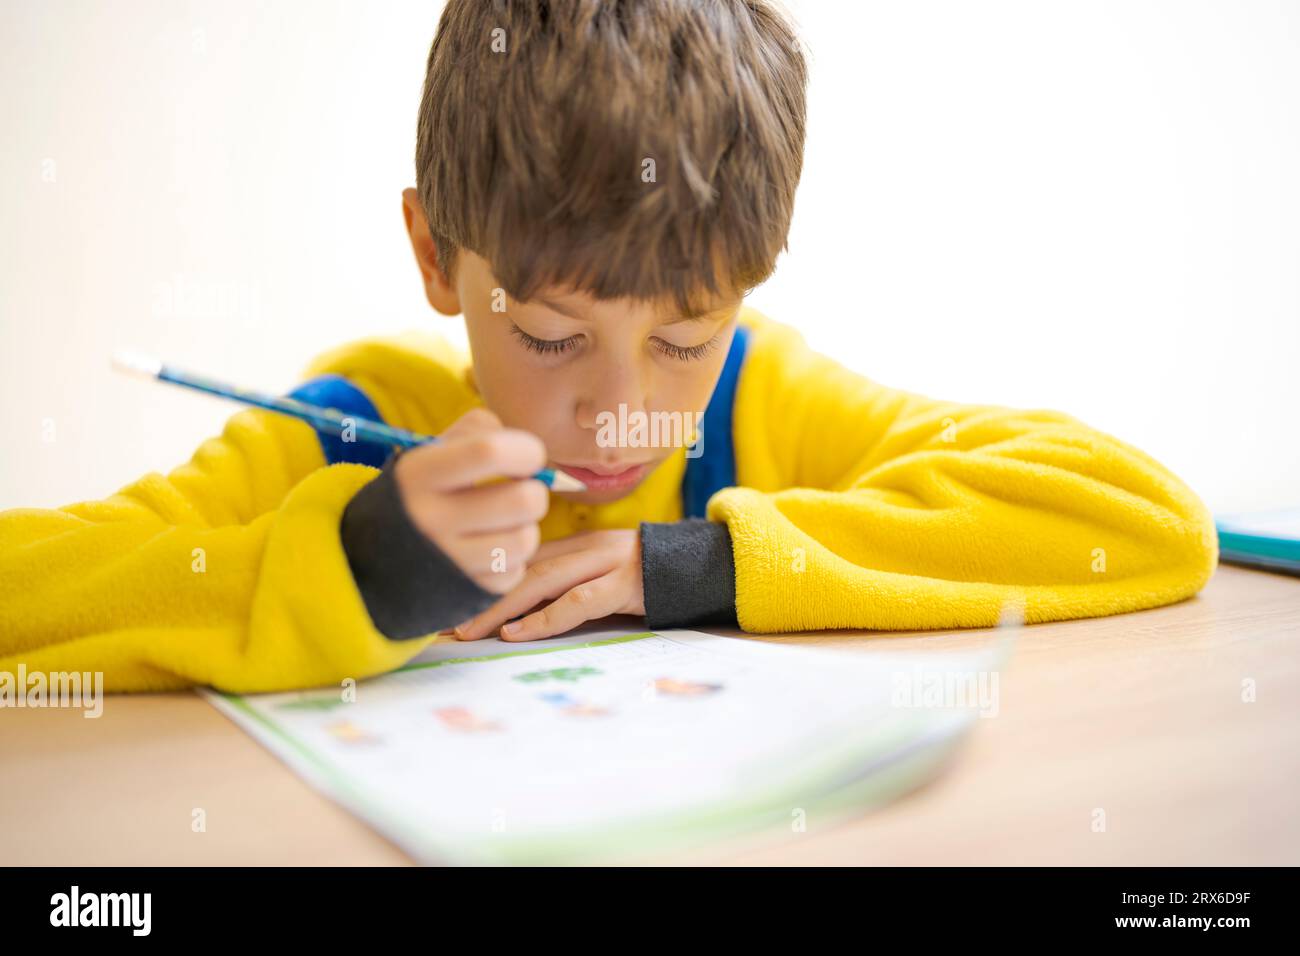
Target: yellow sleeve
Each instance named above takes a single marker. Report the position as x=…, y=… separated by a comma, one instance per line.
x=860, y=506
x=227, y=572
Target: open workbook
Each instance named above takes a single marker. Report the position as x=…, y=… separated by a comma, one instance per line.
x=612, y=746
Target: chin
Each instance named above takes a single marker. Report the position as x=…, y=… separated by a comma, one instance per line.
x=590, y=497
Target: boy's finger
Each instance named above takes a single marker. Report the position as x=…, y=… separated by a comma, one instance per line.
x=493, y=555
x=585, y=602
x=460, y=463
x=497, y=507
x=556, y=578
x=478, y=627
x=580, y=541
x=475, y=420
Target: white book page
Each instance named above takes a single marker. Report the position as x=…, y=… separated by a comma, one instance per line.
x=597, y=744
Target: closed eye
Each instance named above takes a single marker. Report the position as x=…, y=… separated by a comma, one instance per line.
x=681, y=353
x=543, y=346
x=687, y=353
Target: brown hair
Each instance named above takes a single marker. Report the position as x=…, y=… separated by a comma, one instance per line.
x=538, y=117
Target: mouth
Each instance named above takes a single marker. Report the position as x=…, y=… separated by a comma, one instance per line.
x=607, y=479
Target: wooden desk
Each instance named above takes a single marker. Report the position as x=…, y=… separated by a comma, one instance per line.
x=1140, y=715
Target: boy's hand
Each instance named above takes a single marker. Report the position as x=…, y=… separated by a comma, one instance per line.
x=468, y=521
x=575, y=579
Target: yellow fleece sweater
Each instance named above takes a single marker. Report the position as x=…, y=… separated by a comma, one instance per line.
x=856, y=506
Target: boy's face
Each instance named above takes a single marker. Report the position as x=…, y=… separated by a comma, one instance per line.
x=561, y=366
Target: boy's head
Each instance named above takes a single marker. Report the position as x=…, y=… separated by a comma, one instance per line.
x=599, y=184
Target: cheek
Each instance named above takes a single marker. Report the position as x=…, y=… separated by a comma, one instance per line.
x=496, y=373
x=522, y=397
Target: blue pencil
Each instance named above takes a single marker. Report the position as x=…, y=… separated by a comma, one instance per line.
x=323, y=419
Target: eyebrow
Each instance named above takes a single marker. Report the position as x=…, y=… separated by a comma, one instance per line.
x=690, y=315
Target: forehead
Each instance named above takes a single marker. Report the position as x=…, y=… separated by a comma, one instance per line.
x=584, y=307
x=581, y=305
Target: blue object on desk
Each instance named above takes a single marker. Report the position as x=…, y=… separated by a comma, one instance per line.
x=1269, y=540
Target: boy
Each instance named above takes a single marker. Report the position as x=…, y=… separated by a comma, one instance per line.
x=599, y=184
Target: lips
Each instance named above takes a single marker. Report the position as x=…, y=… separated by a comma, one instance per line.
x=606, y=479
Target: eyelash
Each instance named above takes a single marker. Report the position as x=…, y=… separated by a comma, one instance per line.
x=543, y=346
x=555, y=346
x=687, y=353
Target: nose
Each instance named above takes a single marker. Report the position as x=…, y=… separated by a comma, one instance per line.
x=618, y=394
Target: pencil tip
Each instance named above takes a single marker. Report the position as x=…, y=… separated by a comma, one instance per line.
x=566, y=482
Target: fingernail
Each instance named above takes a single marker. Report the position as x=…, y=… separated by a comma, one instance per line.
x=510, y=628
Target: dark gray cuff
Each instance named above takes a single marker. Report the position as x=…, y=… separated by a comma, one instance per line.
x=410, y=587
x=688, y=574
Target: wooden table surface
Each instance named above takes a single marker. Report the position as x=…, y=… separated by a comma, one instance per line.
x=1141, y=716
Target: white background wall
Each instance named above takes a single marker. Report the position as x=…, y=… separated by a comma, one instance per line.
x=1090, y=206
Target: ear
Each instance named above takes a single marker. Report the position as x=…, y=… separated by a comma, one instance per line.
x=438, y=289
